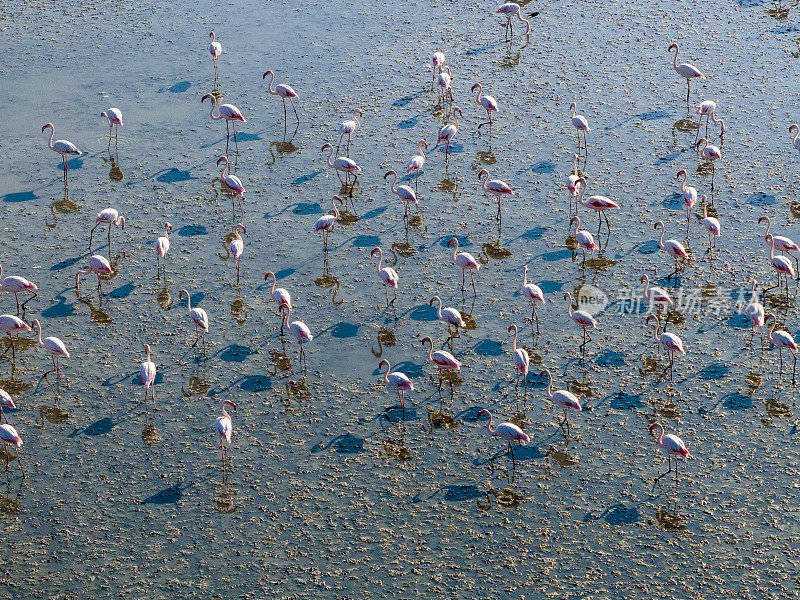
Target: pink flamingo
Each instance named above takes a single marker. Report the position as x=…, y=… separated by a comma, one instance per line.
x=686, y=70
x=448, y=132
x=488, y=103
x=326, y=223
x=783, y=340
x=581, y=125
x=6, y=401
x=511, y=9
x=230, y=113
x=200, y=319
x=53, y=346
x=224, y=426
x=444, y=80
x=114, y=117
x=97, y=265
x=708, y=109
x=780, y=264
x=231, y=182
x=147, y=373
x=494, y=187
x=466, y=261
x=563, y=399
x=534, y=294
x=62, y=147
x=10, y=325
x=672, y=247
x=585, y=239
x=508, y=432
x=672, y=446
x=712, y=226
x=9, y=435
x=17, y=284
x=783, y=244
x=215, y=50
x=405, y=193
x=416, y=162
x=285, y=92
x=111, y=217
x=599, y=204
x=654, y=295
x=689, y=196
x=236, y=247
x=438, y=61
x=709, y=152
x=298, y=329
x=796, y=139
x=346, y=128
x=388, y=275
x=442, y=360
x=162, y=247
x=399, y=382
x=342, y=163
x=279, y=295
x=671, y=342
x=755, y=310
x=573, y=181
x=522, y=361
x=581, y=318
x=450, y=316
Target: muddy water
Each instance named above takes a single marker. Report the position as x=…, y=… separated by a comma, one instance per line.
x=332, y=490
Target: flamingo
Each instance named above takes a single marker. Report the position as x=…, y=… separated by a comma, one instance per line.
x=199, y=318
x=509, y=432
x=442, y=360
x=672, y=247
x=52, y=346
x=326, y=222
x=215, y=50
x=709, y=152
x=573, y=180
x=11, y=324
x=581, y=125
x=599, y=204
x=6, y=401
x=224, y=426
x=755, y=310
x=62, y=147
x=494, y=187
x=671, y=342
x=522, y=361
x=686, y=70
x=162, y=247
x=708, y=109
x=236, y=247
x=448, y=132
x=97, y=264
x=114, y=117
x=466, y=261
x=781, y=264
x=298, y=329
x=654, y=295
x=437, y=60
x=448, y=315
x=17, y=284
x=405, y=193
x=388, y=275
x=444, y=80
x=783, y=340
x=230, y=113
x=712, y=226
x=342, y=163
x=9, y=435
x=111, y=217
x=285, y=92
x=231, y=182
x=147, y=373
x=399, y=382
x=562, y=398
x=346, y=128
x=488, y=103
x=279, y=295
x=796, y=140
x=585, y=239
x=510, y=9
x=689, y=196
x=417, y=161
x=533, y=293
x=784, y=244
x=672, y=446
x=581, y=318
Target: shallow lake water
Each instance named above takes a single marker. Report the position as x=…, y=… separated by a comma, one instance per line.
x=332, y=491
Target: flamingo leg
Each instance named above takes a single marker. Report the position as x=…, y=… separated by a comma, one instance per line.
x=228, y=134
x=669, y=470
x=197, y=336
x=235, y=139
x=108, y=235
x=91, y=234
x=298, y=120
x=794, y=368
x=513, y=461
x=472, y=277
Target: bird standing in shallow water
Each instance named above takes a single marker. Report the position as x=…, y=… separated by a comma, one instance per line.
x=686, y=70
x=298, y=329
x=6, y=401
x=522, y=361
x=689, y=195
x=110, y=216
x=224, y=427
x=563, y=399
x=230, y=113
x=672, y=446
x=416, y=162
x=448, y=132
x=326, y=223
x=581, y=318
x=388, y=275
x=584, y=238
x=599, y=204
x=443, y=360
x=399, y=382
x=342, y=164
x=215, y=50
x=9, y=436
x=508, y=432
x=62, y=147
x=755, y=310
x=231, y=182
x=285, y=92
x=581, y=125
x=162, y=247
x=672, y=247
x=511, y=9
x=52, y=346
x=782, y=339
x=494, y=187
x=346, y=128
x=450, y=316
x=712, y=226
x=199, y=318
x=16, y=284
x=782, y=243
x=405, y=193
x=796, y=139
x=534, y=294
x=97, y=264
x=236, y=247
x=147, y=373
x=781, y=264
x=10, y=324
x=488, y=103
x=671, y=342
x=466, y=261
x=114, y=117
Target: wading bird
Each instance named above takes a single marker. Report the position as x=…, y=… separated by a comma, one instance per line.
x=298, y=329
x=689, y=197
x=9, y=436
x=534, y=294
x=711, y=153
x=111, y=217
x=405, y=193
x=494, y=187
x=780, y=264
x=438, y=61
x=6, y=401
x=444, y=80
x=488, y=103
x=147, y=373
x=466, y=261
x=671, y=342
x=755, y=310
x=388, y=275
x=782, y=244
x=52, y=346
x=581, y=318
x=236, y=247
x=416, y=162
x=448, y=132
x=672, y=446
x=796, y=139
x=326, y=223
x=348, y=127
x=685, y=70
x=672, y=247
x=230, y=113
x=448, y=315
x=200, y=319
x=783, y=340
x=280, y=295
x=573, y=181
x=224, y=427
x=162, y=247
x=442, y=360
x=508, y=432
x=114, y=117
x=215, y=50
x=581, y=125
x=397, y=381
x=16, y=284
x=584, y=238
x=522, y=361
x=512, y=9
x=563, y=399
x=10, y=325
x=712, y=226
x=599, y=204
x=231, y=182
x=97, y=264
x=285, y=92
x=342, y=164
x=654, y=295
x=62, y=147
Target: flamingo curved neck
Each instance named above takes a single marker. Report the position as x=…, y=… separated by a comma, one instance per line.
x=549, y=385
x=525, y=276
x=394, y=181
x=514, y=343
x=439, y=310
x=430, y=350
x=766, y=233
x=330, y=155
x=492, y=430
x=388, y=368
x=52, y=133
x=582, y=181
x=335, y=209
x=269, y=86
x=569, y=304
x=224, y=171
x=478, y=95
x=675, y=58
x=455, y=251
x=39, y=329
x=661, y=238
x=272, y=290
x=380, y=260
x=660, y=436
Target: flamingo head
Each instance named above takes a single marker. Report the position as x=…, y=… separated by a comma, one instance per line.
x=512, y=327
x=452, y=241
x=672, y=47
x=656, y=424
x=337, y=197
x=268, y=274
x=457, y=110
x=484, y=413
x=222, y=159
x=268, y=72
x=681, y=172
x=647, y=320
x=658, y=224
x=324, y=147
x=203, y=99
x=769, y=239
x=426, y=339
x=481, y=174
x=241, y=226
x=375, y=251
x=572, y=106
x=168, y=226
x=643, y=278
x=423, y=143
x=568, y=296
x=472, y=89
x=46, y=125
x=359, y=112
x=104, y=114
x=432, y=301
x=765, y=218
x=230, y=403
x=700, y=141
x=392, y=172
x=212, y=35
x=382, y=363
x=793, y=128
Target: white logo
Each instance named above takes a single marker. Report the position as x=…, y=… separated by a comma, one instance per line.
x=591, y=299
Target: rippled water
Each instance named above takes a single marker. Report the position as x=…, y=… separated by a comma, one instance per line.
x=329, y=493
